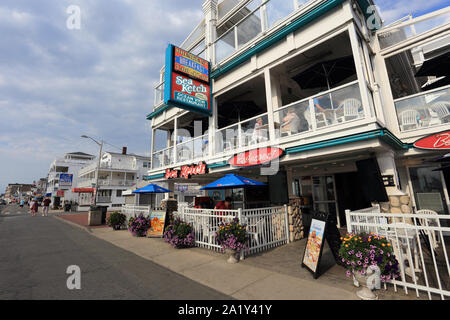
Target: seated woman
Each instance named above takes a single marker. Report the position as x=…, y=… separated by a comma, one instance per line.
x=259, y=134
x=291, y=122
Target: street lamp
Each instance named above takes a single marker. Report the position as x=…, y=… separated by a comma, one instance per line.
x=98, y=165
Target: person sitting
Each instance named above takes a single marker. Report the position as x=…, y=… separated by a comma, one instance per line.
x=291, y=122
x=258, y=133
x=224, y=205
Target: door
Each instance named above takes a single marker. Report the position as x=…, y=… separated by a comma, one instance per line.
x=324, y=196
x=429, y=189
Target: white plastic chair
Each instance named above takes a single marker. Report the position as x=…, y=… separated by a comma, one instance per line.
x=256, y=230
x=431, y=223
x=321, y=119
x=442, y=110
x=409, y=118
x=350, y=110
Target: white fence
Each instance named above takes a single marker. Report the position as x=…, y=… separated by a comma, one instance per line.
x=419, y=243
x=267, y=227
x=134, y=211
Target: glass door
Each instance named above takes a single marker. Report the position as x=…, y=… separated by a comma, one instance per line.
x=324, y=196
x=429, y=189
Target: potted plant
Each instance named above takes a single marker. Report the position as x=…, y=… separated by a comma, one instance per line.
x=363, y=252
x=179, y=234
x=232, y=236
x=139, y=226
x=116, y=220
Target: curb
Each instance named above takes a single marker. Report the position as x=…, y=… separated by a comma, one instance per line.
x=73, y=224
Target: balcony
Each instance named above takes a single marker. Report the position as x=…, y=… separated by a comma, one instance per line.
x=103, y=199
x=159, y=96
x=424, y=110
x=88, y=183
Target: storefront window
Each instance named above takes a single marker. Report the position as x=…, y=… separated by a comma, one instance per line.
x=428, y=189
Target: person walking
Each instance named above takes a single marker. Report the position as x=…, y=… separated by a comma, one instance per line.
x=46, y=204
x=22, y=203
x=34, y=207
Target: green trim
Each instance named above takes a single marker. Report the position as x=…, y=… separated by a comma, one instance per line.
x=156, y=176
x=150, y=116
x=383, y=134
x=267, y=42
x=218, y=165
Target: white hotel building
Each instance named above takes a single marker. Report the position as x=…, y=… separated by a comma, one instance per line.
x=358, y=125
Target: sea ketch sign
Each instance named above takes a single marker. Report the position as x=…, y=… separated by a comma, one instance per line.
x=436, y=141
x=186, y=172
x=256, y=157
x=187, y=80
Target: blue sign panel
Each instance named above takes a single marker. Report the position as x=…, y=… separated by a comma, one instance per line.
x=65, y=180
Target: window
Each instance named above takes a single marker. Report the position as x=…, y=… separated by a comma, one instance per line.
x=119, y=193
x=145, y=164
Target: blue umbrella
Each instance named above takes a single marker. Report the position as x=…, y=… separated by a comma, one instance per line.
x=231, y=181
x=152, y=188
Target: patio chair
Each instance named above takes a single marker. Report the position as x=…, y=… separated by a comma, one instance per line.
x=431, y=223
x=442, y=110
x=321, y=119
x=409, y=118
x=256, y=231
x=349, y=109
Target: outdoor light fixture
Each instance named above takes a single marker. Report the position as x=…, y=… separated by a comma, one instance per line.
x=98, y=165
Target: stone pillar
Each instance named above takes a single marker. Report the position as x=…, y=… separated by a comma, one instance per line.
x=399, y=202
x=296, y=231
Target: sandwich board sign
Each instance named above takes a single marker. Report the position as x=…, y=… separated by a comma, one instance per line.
x=314, y=246
x=158, y=224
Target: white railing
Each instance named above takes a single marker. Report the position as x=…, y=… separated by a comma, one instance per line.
x=267, y=227
x=159, y=95
x=419, y=245
x=134, y=211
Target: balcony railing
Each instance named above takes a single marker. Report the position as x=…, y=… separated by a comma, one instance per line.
x=392, y=35
x=331, y=108
x=163, y=158
x=159, y=95
x=424, y=110
x=87, y=183
x=103, y=199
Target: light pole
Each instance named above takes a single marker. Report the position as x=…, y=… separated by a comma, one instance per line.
x=98, y=165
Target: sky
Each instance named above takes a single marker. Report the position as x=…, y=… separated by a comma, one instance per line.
x=57, y=83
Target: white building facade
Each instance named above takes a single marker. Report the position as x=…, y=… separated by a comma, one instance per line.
x=335, y=134
x=63, y=176
x=117, y=173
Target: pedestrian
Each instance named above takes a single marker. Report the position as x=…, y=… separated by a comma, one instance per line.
x=34, y=207
x=226, y=205
x=46, y=204
x=21, y=203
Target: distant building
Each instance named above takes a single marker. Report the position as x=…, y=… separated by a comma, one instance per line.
x=117, y=173
x=63, y=174
x=17, y=192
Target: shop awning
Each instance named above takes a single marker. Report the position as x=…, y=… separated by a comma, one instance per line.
x=232, y=181
x=83, y=190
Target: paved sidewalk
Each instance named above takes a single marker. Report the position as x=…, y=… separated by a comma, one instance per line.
x=275, y=274
x=80, y=219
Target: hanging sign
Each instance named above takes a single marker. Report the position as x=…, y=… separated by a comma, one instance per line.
x=65, y=180
x=436, y=141
x=187, y=79
x=186, y=172
x=256, y=157
x=60, y=193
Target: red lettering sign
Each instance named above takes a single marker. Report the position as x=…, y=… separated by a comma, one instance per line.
x=256, y=157
x=186, y=171
x=437, y=141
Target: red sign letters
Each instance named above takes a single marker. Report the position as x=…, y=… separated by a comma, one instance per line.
x=256, y=157
x=186, y=172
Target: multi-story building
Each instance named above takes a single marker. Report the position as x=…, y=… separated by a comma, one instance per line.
x=17, y=192
x=342, y=96
x=117, y=173
x=63, y=175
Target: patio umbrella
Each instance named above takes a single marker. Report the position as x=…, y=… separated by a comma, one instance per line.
x=232, y=181
x=326, y=73
x=437, y=66
x=152, y=188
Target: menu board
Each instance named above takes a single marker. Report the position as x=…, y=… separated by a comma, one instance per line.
x=314, y=246
x=158, y=219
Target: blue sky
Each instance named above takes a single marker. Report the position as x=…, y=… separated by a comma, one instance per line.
x=57, y=84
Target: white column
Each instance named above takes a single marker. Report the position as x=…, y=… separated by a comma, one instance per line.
x=210, y=9
x=386, y=162
x=271, y=95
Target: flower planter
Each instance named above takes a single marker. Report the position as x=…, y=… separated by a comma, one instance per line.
x=233, y=256
x=360, y=280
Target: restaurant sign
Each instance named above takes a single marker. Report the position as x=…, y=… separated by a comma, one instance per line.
x=187, y=81
x=256, y=157
x=186, y=172
x=436, y=141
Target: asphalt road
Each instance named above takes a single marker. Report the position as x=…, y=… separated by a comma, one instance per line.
x=36, y=251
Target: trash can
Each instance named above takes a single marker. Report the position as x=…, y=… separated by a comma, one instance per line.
x=103, y=209
x=67, y=207
x=95, y=216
